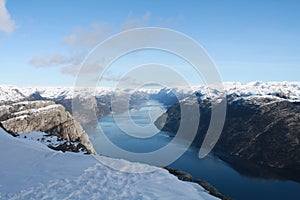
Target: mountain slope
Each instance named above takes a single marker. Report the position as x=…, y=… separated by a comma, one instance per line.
x=10, y=94
x=261, y=128
x=29, y=170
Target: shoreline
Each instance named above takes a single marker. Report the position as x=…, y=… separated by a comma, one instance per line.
x=184, y=176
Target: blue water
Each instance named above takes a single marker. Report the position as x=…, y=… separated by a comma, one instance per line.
x=211, y=169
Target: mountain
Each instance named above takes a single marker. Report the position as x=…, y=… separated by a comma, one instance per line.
x=262, y=122
x=10, y=94
x=262, y=127
x=284, y=90
x=30, y=170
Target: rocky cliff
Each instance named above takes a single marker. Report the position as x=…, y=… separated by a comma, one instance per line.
x=263, y=130
x=44, y=116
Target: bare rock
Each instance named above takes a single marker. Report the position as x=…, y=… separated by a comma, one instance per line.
x=44, y=116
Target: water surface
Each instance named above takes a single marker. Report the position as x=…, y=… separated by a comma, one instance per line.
x=211, y=169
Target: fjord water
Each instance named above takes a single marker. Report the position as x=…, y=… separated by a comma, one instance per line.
x=211, y=169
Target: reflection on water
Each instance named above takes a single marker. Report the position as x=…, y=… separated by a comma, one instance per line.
x=239, y=179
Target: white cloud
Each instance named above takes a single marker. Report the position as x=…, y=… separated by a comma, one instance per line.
x=7, y=25
x=81, y=40
x=44, y=61
x=90, y=37
x=74, y=69
x=134, y=22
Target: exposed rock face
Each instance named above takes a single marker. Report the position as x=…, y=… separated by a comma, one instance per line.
x=84, y=103
x=269, y=135
x=44, y=116
x=262, y=130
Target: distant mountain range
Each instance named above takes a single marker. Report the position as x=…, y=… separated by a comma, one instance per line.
x=280, y=90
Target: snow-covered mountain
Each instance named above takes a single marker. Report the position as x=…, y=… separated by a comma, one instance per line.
x=62, y=92
x=30, y=170
x=10, y=94
x=288, y=90
x=274, y=90
x=283, y=90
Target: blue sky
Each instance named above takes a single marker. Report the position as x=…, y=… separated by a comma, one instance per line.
x=43, y=42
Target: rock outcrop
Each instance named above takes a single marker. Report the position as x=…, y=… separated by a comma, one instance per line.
x=44, y=116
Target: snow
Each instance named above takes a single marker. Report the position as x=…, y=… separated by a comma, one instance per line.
x=48, y=140
x=291, y=90
x=50, y=107
x=10, y=93
x=38, y=110
x=49, y=92
x=288, y=90
x=21, y=117
x=62, y=92
x=30, y=170
x=278, y=91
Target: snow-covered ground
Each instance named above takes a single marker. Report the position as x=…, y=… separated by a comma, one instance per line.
x=30, y=170
x=51, y=140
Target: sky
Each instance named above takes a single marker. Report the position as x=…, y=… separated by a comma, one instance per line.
x=43, y=43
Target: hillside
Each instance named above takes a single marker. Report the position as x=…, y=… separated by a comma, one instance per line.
x=30, y=170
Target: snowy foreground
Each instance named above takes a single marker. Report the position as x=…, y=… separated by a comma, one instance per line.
x=30, y=170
